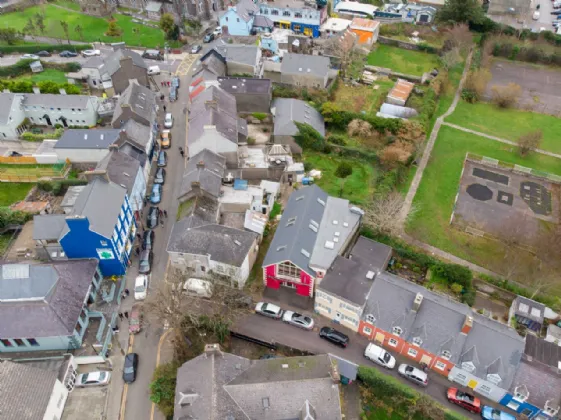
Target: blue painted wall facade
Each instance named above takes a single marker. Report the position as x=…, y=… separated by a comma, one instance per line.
x=301, y=21
x=236, y=25
x=520, y=407
x=113, y=253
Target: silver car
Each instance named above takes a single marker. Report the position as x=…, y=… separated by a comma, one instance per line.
x=413, y=374
x=98, y=378
x=268, y=309
x=298, y=320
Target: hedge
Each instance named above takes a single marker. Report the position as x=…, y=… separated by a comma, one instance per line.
x=29, y=136
x=34, y=48
x=10, y=217
x=22, y=67
x=340, y=119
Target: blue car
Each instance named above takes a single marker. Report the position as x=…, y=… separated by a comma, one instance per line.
x=490, y=413
x=156, y=195
x=162, y=159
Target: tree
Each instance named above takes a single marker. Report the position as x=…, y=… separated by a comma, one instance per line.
x=10, y=35
x=506, y=96
x=461, y=11
x=30, y=28
x=167, y=22
x=475, y=85
x=78, y=29
x=459, y=36
x=450, y=58
x=529, y=141
x=113, y=29
x=162, y=387
x=22, y=86
x=343, y=171
x=383, y=213
x=64, y=25
x=40, y=22
x=342, y=46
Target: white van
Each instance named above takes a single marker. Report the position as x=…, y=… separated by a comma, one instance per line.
x=153, y=70
x=380, y=356
x=536, y=15
x=198, y=288
x=141, y=286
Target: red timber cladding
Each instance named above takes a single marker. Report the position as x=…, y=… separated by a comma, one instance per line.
x=270, y=279
x=381, y=337
x=307, y=286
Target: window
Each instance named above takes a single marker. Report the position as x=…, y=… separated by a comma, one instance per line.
x=440, y=365
x=6, y=343
x=446, y=354
x=60, y=400
x=417, y=341
x=265, y=11
x=32, y=342
x=412, y=352
x=297, y=14
x=367, y=330
x=392, y=342
x=296, y=28
x=19, y=342
x=289, y=270
x=226, y=18
x=397, y=331
x=103, y=243
x=219, y=269
x=237, y=19
x=275, y=12
x=370, y=319
x=203, y=268
x=286, y=13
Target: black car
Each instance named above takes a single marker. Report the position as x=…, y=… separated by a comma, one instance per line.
x=162, y=159
x=336, y=337
x=131, y=366
x=153, y=218
x=173, y=94
x=43, y=54
x=148, y=239
x=153, y=55
x=160, y=177
x=145, y=262
x=208, y=38
x=67, y=53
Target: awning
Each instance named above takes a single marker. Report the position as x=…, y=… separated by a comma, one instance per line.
x=284, y=22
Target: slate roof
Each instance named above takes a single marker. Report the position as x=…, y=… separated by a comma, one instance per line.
x=491, y=346
x=250, y=86
x=542, y=383
x=101, y=202
x=121, y=169
x=246, y=9
x=50, y=296
x=209, y=177
x=286, y=111
x=112, y=62
x=48, y=226
x=140, y=99
x=138, y=133
x=213, y=62
x=221, y=243
x=6, y=104
x=305, y=64
x=153, y=6
x=239, y=388
x=529, y=309
x=78, y=138
x=242, y=54
x=224, y=123
x=25, y=390
x=542, y=351
x=93, y=62
x=347, y=278
x=261, y=21
x=52, y=100
x=213, y=98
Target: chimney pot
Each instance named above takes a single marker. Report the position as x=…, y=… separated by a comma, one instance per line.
x=468, y=324
x=201, y=164
x=417, y=302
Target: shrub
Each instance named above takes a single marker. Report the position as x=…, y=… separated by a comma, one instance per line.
x=428, y=108
x=456, y=288
x=10, y=217
x=476, y=83
x=162, y=387
x=359, y=128
x=340, y=119
x=468, y=297
x=259, y=115
x=337, y=139
x=397, y=152
x=309, y=138
x=250, y=141
x=28, y=136
x=454, y=273
x=529, y=141
x=506, y=96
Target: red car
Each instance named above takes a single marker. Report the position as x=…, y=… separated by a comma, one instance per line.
x=135, y=320
x=464, y=400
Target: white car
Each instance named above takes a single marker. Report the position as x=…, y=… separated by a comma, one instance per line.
x=141, y=286
x=98, y=378
x=90, y=53
x=30, y=57
x=168, y=120
x=153, y=70
x=268, y=309
x=536, y=15
x=217, y=31
x=298, y=320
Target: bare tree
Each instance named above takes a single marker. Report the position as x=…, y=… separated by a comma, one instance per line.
x=206, y=9
x=382, y=214
x=459, y=36
x=343, y=47
x=529, y=142
x=506, y=96
x=450, y=58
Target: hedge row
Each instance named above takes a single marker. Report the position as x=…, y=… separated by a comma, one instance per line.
x=10, y=217
x=56, y=186
x=22, y=67
x=29, y=136
x=531, y=54
x=340, y=119
x=34, y=48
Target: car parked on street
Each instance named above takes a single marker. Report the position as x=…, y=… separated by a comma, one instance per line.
x=269, y=309
x=135, y=319
x=208, y=38
x=491, y=413
x=165, y=139
x=156, y=195
x=336, y=337
x=153, y=55
x=415, y=375
x=148, y=239
x=153, y=70
x=162, y=159
x=298, y=320
x=145, y=262
x=97, y=378
x=43, y=54
x=153, y=218
x=379, y=356
x=141, y=286
x=67, y=54
x=168, y=120
x=131, y=367
x=195, y=49
x=30, y=57
x=464, y=400
x=91, y=53
x=217, y=31
x=160, y=176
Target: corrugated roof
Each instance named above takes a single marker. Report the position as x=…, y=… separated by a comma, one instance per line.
x=401, y=90
x=364, y=24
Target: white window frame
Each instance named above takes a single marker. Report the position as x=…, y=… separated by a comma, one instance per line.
x=392, y=342
x=397, y=331
x=371, y=319
x=291, y=271
x=440, y=365
x=367, y=330
x=412, y=352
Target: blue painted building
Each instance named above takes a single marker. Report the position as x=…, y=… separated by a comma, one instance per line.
x=101, y=226
x=238, y=20
x=305, y=20
x=45, y=306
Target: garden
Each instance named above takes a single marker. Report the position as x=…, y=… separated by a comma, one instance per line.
x=12, y=192
x=362, y=98
x=403, y=61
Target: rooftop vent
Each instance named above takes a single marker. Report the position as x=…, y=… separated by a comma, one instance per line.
x=315, y=229
x=265, y=402
x=300, y=69
x=101, y=136
x=345, y=224
x=305, y=253
x=335, y=222
x=337, y=233
x=336, y=239
x=85, y=136
x=238, y=243
x=285, y=365
x=321, y=201
x=300, y=198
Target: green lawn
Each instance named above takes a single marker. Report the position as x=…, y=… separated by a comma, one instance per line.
x=508, y=123
x=435, y=197
x=93, y=27
x=363, y=98
x=48, y=74
x=11, y=192
x=402, y=60
x=358, y=186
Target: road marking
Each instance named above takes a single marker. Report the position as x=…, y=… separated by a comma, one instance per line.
x=158, y=354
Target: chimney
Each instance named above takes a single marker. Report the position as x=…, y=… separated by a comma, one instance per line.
x=211, y=104
x=468, y=323
x=36, y=90
x=113, y=147
x=417, y=302
x=213, y=349
x=62, y=91
x=91, y=175
x=335, y=376
x=196, y=187
x=201, y=164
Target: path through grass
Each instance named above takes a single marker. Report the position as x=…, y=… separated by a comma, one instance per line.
x=402, y=60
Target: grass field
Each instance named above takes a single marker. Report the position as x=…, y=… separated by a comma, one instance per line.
x=69, y=4
x=49, y=74
x=362, y=98
x=508, y=123
x=12, y=192
x=435, y=197
x=93, y=28
x=401, y=60
x=358, y=186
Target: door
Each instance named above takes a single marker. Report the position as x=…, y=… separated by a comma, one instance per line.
x=308, y=31
x=47, y=119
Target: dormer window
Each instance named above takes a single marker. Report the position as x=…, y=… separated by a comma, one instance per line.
x=370, y=319
x=468, y=367
x=397, y=331
x=417, y=341
x=494, y=378
x=446, y=354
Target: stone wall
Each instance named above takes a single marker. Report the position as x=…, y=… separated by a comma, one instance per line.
x=407, y=45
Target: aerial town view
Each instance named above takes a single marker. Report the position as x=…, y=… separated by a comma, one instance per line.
x=280, y=209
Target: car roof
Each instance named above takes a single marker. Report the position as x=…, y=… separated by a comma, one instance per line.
x=271, y=306
x=93, y=376
x=145, y=254
x=140, y=280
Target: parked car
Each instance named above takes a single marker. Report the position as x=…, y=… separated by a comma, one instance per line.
x=135, y=319
x=268, y=309
x=91, y=53
x=196, y=48
x=379, y=356
x=131, y=366
x=67, y=54
x=156, y=195
x=413, y=374
x=208, y=38
x=44, y=54
x=30, y=57
x=173, y=94
x=160, y=176
x=168, y=120
x=298, y=320
x=153, y=218
x=97, y=378
x=148, y=240
x=153, y=55
x=165, y=139
x=268, y=356
x=153, y=70
x=141, y=286
x=175, y=81
x=145, y=262
x=336, y=337
x=162, y=159
x=536, y=15
x=217, y=31
x=464, y=400
x=491, y=413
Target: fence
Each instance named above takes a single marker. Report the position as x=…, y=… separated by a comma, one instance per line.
x=15, y=160
x=408, y=45
x=15, y=172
